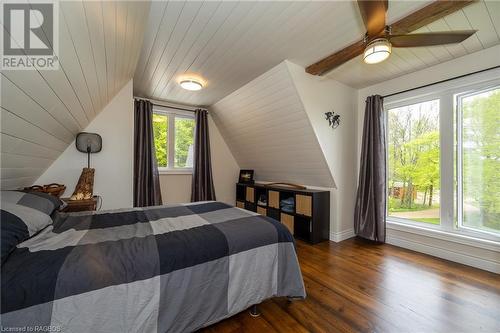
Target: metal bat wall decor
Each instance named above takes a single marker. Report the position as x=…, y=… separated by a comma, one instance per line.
x=333, y=119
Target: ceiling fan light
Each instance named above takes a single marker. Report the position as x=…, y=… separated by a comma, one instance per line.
x=191, y=85
x=377, y=51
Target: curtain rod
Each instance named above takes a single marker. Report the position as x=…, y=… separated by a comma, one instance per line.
x=171, y=105
x=437, y=82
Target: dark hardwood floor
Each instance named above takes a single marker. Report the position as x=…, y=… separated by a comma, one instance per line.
x=356, y=286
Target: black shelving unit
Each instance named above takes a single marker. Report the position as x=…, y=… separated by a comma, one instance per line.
x=309, y=218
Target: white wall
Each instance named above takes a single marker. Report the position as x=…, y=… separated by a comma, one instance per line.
x=224, y=166
x=113, y=165
x=484, y=255
x=176, y=188
x=320, y=95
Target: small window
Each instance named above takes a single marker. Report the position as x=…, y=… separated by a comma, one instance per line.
x=160, y=130
x=184, y=141
x=174, y=139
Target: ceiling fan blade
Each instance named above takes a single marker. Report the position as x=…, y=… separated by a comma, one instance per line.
x=338, y=58
x=430, y=38
x=428, y=14
x=373, y=14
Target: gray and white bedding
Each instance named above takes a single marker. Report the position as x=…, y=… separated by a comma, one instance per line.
x=173, y=268
x=22, y=215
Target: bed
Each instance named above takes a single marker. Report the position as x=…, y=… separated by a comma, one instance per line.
x=173, y=268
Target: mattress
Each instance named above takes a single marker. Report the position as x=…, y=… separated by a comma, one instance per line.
x=173, y=268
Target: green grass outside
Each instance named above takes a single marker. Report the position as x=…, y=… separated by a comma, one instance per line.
x=413, y=208
x=430, y=220
x=395, y=206
x=475, y=220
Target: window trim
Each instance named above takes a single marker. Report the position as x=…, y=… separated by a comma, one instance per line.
x=457, y=237
x=447, y=93
x=172, y=113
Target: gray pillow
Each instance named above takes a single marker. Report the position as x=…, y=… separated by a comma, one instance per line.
x=43, y=202
x=22, y=216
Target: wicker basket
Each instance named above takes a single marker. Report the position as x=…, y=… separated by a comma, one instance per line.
x=53, y=189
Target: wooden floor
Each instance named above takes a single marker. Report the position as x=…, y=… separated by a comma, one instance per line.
x=362, y=287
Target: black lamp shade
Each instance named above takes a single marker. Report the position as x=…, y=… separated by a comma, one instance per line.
x=88, y=142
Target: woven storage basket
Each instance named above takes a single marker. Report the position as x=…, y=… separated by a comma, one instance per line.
x=53, y=189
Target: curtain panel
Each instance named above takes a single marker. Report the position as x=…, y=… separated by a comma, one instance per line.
x=369, y=213
x=146, y=176
x=202, y=184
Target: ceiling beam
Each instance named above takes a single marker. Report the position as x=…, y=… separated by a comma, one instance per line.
x=426, y=15
x=336, y=59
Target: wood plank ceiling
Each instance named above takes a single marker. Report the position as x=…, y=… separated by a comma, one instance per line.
x=230, y=43
x=43, y=110
x=266, y=127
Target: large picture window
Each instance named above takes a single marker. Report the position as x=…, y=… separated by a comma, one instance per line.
x=413, y=159
x=443, y=159
x=479, y=160
x=174, y=139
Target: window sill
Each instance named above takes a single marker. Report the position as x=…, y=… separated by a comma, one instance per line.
x=165, y=171
x=456, y=237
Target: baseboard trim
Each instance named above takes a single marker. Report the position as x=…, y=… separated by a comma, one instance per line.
x=459, y=257
x=342, y=235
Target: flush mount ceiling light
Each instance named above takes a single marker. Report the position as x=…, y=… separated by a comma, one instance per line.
x=377, y=51
x=191, y=85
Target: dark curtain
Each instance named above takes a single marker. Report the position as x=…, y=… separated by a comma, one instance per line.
x=146, y=178
x=369, y=214
x=203, y=184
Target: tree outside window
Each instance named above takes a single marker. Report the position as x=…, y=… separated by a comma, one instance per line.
x=413, y=162
x=174, y=140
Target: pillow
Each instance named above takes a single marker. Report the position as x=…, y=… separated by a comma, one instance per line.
x=22, y=216
x=43, y=202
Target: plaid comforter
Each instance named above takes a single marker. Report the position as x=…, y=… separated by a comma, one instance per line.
x=172, y=268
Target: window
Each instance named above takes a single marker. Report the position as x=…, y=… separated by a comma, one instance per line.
x=413, y=162
x=478, y=166
x=443, y=158
x=174, y=139
x=160, y=130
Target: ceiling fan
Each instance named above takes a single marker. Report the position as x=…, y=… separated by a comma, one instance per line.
x=380, y=38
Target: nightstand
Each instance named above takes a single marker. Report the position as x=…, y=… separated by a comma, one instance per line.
x=79, y=205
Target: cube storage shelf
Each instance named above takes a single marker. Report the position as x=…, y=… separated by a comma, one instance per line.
x=307, y=216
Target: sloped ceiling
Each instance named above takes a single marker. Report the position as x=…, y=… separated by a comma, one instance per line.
x=267, y=129
x=230, y=43
x=42, y=111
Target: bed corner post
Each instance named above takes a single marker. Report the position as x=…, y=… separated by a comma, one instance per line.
x=254, y=311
